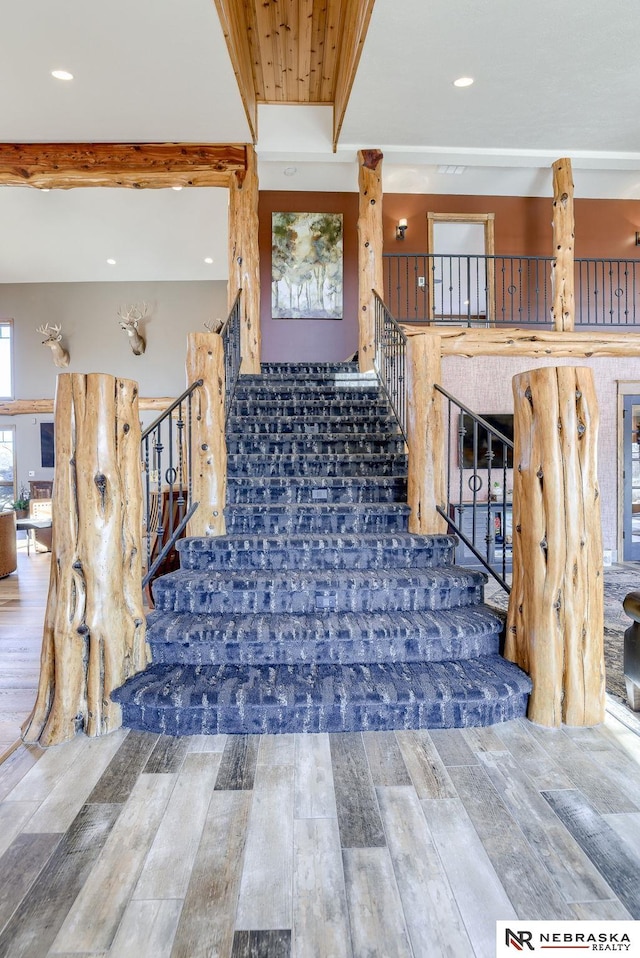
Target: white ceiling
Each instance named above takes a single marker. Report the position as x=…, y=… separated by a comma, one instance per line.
x=551, y=80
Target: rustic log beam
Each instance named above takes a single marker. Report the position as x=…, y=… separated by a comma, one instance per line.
x=94, y=629
x=562, y=268
x=555, y=620
x=457, y=341
x=425, y=436
x=205, y=361
x=35, y=407
x=244, y=260
x=137, y=165
x=370, y=276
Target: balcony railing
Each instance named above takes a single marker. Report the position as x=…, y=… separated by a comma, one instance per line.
x=478, y=290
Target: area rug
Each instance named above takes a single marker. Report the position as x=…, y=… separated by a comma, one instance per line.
x=619, y=580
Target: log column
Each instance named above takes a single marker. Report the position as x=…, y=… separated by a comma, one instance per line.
x=369, y=251
x=94, y=629
x=562, y=268
x=244, y=259
x=425, y=435
x=555, y=620
x=205, y=360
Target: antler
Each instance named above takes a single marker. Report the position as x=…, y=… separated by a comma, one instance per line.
x=51, y=332
x=213, y=325
x=54, y=335
x=130, y=316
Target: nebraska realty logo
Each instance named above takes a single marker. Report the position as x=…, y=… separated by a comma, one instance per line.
x=567, y=937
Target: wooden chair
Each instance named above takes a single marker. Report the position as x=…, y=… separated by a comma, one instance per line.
x=8, y=555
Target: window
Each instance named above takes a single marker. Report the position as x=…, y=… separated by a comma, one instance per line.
x=7, y=467
x=6, y=360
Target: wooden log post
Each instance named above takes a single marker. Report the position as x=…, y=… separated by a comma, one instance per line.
x=555, y=621
x=370, y=240
x=244, y=259
x=425, y=435
x=562, y=268
x=205, y=361
x=94, y=629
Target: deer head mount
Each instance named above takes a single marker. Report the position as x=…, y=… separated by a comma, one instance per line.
x=54, y=337
x=130, y=316
x=213, y=325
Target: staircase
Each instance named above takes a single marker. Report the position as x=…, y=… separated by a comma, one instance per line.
x=318, y=611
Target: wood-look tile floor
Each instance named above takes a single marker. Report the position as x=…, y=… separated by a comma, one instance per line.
x=372, y=845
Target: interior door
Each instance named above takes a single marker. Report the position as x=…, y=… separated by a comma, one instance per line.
x=631, y=474
x=461, y=290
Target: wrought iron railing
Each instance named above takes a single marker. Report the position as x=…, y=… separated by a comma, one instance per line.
x=167, y=482
x=507, y=290
x=478, y=504
x=230, y=334
x=390, y=361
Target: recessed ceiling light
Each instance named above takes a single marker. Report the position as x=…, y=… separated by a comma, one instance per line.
x=176, y=187
x=208, y=260
x=290, y=170
x=45, y=189
x=62, y=74
x=111, y=262
x=463, y=81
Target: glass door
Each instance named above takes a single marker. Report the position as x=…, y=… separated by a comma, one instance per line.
x=631, y=441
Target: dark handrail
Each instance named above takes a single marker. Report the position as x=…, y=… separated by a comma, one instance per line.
x=230, y=334
x=390, y=360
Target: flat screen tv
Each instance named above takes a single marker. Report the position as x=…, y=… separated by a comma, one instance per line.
x=47, y=457
x=503, y=423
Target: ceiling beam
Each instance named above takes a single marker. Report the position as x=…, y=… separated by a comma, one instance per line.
x=135, y=165
x=236, y=21
x=357, y=14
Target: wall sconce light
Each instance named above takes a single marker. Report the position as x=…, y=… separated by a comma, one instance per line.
x=401, y=229
x=638, y=238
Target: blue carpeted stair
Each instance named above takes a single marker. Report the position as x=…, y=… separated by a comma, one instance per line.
x=318, y=611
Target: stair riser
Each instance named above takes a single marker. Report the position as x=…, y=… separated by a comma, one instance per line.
x=306, y=369
x=312, y=465
x=371, y=717
x=281, y=393
x=309, y=559
x=362, y=427
x=278, y=490
x=317, y=410
x=313, y=445
x=298, y=522
x=281, y=600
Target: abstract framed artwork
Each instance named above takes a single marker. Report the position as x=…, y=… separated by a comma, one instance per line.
x=306, y=266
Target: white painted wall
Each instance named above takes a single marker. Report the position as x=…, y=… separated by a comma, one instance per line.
x=92, y=335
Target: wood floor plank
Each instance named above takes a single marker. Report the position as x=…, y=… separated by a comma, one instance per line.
x=42, y=778
x=526, y=881
x=118, y=780
x=356, y=803
x=206, y=743
x=35, y=923
x=20, y=865
x=93, y=919
x=592, y=781
x=262, y=944
x=320, y=916
x=541, y=768
x=600, y=911
x=605, y=848
x=238, y=764
x=568, y=866
x=452, y=748
x=66, y=799
x=265, y=900
x=167, y=755
x=426, y=769
x=147, y=929
x=167, y=868
x=314, y=791
x=14, y=817
x=375, y=910
x=483, y=739
x=627, y=826
x=619, y=767
x=208, y=915
x=479, y=893
x=276, y=750
x=432, y=917
x=386, y=763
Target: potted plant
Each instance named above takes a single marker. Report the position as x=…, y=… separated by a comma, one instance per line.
x=21, y=505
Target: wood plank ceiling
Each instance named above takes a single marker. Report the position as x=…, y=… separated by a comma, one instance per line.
x=295, y=51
